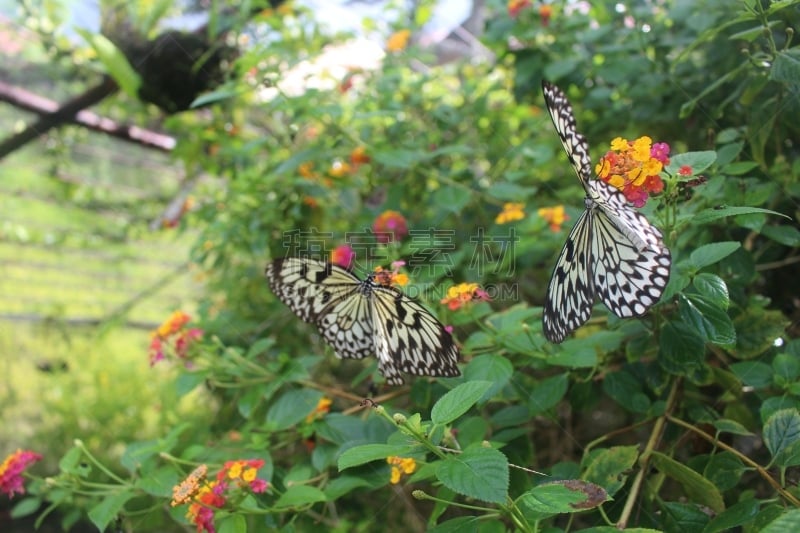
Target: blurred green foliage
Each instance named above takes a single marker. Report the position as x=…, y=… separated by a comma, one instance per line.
x=684, y=420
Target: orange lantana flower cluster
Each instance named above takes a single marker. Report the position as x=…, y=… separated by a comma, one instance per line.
x=390, y=277
x=173, y=329
x=205, y=497
x=511, y=211
x=555, y=216
x=633, y=168
x=460, y=295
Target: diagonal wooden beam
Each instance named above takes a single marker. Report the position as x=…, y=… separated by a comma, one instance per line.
x=74, y=111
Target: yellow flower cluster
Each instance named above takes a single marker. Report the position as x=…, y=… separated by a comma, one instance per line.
x=400, y=466
x=511, y=211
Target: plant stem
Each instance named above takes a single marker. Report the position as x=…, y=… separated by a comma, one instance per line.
x=644, y=458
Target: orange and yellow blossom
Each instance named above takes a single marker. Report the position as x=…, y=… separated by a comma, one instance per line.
x=555, y=216
x=398, y=41
x=633, y=167
x=400, y=466
x=323, y=407
x=511, y=211
x=460, y=295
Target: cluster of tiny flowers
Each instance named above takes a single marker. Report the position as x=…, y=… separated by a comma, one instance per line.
x=633, y=167
x=515, y=6
x=388, y=278
x=11, y=480
x=400, y=466
x=173, y=328
x=511, y=211
x=205, y=496
x=338, y=168
x=390, y=226
x=460, y=295
x=555, y=216
x=343, y=256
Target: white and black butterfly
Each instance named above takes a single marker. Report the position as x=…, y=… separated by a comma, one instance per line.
x=612, y=253
x=361, y=318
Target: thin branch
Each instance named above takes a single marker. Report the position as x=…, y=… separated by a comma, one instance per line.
x=644, y=458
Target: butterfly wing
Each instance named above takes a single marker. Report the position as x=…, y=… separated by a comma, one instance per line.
x=570, y=295
x=329, y=297
x=564, y=120
x=409, y=338
x=627, y=279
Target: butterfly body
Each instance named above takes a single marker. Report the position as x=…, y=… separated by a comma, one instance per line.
x=612, y=253
x=362, y=318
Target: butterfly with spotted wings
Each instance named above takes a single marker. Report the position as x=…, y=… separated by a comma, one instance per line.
x=612, y=253
x=362, y=318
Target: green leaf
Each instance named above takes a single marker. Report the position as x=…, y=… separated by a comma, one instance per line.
x=683, y=517
x=770, y=406
x=358, y=455
x=226, y=92
x=710, y=215
x=452, y=199
x=159, y=482
x=608, y=467
x=699, y=161
x=458, y=401
x=70, y=463
x=626, y=390
x=291, y=407
x=114, y=61
x=480, y=473
x=724, y=470
x=344, y=484
x=739, y=168
x=697, y=488
x=494, y=368
x=300, y=495
x=731, y=426
x=786, y=367
x=708, y=254
x=547, y=393
x=399, y=158
x=790, y=521
x=109, y=507
x=753, y=373
x=704, y=317
x=234, y=523
x=559, y=497
x=786, y=66
x=25, y=507
x=737, y=515
x=786, y=235
x=756, y=331
x=681, y=348
x=713, y=288
x=510, y=192
x=781, y=431
x=464, y=524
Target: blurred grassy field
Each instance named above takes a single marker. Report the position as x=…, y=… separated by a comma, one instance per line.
x=83, y=280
